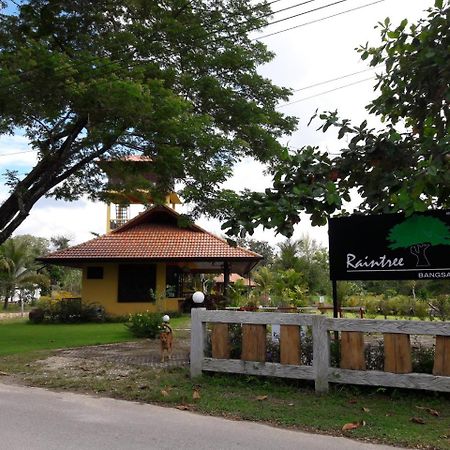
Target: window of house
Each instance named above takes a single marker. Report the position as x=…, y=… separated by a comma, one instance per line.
x=174, y=281
x=94, y=273
x=137, y=283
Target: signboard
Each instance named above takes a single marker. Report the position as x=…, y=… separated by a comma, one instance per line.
x=390, y=247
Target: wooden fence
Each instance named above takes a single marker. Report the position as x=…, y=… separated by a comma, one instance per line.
x=397, y=349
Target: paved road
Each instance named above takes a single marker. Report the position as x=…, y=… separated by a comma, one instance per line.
x=35, y=419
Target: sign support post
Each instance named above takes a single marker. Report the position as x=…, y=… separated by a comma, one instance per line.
x=335, y=299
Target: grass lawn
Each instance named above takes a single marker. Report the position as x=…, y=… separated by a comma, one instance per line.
x=21, y=336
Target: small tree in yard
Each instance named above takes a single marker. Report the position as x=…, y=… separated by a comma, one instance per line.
x=16, y=269
x=418, y=233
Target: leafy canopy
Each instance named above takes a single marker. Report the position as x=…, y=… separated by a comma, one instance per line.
x=402, y=167
x=175, y=81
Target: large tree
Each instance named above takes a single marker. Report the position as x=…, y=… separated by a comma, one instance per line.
x=402, y=167
x=174, y=80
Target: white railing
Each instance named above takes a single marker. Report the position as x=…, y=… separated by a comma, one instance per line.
x=320, y=371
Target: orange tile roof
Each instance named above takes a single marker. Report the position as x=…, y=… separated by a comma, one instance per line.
x=154, y=235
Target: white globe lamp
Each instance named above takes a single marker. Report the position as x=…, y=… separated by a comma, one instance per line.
x=166, y=318
x=198, y=297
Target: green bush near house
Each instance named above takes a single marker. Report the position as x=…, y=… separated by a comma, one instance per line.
x=145, y=325
x=66, y=310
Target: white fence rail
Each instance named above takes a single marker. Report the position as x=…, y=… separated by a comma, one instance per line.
x=320, y=371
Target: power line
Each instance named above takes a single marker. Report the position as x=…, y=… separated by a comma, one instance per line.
x=333, y=79
x=302, y=13
x=317, y=20
x=323, y=93
x=17, y=153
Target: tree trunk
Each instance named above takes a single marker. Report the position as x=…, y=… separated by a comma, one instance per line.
x=45, y=175
x=6, y=301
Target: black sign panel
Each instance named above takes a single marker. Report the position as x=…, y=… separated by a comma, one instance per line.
x=390, y=247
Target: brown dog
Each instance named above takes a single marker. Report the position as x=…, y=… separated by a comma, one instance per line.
x=166, y=340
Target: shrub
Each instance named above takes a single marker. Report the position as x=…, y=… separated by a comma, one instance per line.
x=440, y=307
x=422, y=357
x=36, y=315
x=51, y=308
x=145, y=325
x=92, y=312
x=68, y=310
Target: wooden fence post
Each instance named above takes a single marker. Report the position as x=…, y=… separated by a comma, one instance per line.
x=352, y=350
x=197, y=342
x=253, y=342
x=397, y=353
x=442, y=356
x=321, y=353
x=220, y=341
x=290, y=344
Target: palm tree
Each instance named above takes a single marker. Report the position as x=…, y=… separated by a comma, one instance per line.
x=263, y=279
x=288, y=256
x=16, y=269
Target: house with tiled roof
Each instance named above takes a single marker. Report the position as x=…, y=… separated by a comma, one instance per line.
x=147, y=263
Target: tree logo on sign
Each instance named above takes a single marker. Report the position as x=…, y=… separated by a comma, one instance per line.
x=418, y=233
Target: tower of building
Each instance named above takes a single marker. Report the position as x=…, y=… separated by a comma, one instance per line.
x=129, y=182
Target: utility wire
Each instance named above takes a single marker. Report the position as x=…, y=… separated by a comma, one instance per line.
x=298, y=15
x=323, y=93
x=17, y=153
x=317, y=20
x=270, y=13
x=333, y=79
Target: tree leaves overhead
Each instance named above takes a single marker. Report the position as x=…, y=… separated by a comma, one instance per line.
x=403, y=167
x=173, y=80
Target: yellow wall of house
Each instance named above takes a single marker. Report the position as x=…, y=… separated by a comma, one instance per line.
x=104, y=292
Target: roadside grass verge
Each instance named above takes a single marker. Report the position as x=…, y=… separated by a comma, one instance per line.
x=391, y=416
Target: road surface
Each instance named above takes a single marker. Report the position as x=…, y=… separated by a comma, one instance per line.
x=35, y=419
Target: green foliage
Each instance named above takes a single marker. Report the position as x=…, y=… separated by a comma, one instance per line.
x=238, y=293
x=422, y=357
x=402, y=167
x=17, y=267
x=288, y=289
x=145, y=325
x=64, y=309
x=298, y=270
x=169, y=80
x=440, y=307
x=263, y=248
